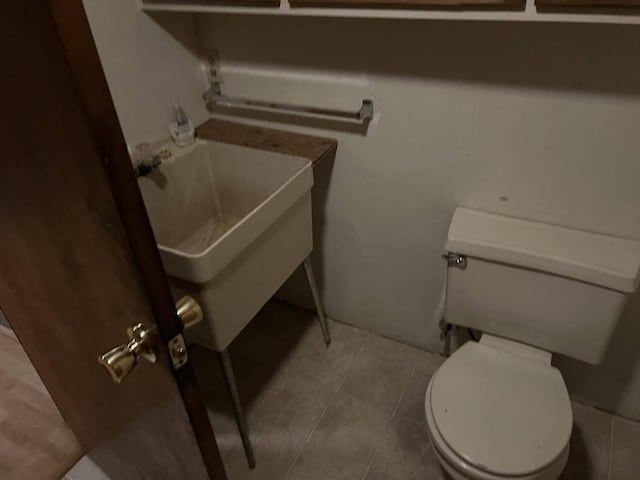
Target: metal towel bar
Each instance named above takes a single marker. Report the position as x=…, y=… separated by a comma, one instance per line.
x=214, y=95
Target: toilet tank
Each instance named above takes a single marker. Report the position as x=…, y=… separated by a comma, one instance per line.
x=555, y=288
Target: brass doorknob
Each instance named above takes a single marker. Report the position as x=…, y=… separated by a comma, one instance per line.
x=189, y=311
x=120, y=360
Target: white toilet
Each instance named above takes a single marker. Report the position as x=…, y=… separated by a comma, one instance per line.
x=496, y=409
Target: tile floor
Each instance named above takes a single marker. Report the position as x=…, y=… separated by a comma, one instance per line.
x=354, y=410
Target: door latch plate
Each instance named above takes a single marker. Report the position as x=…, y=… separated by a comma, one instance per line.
x=178, y=351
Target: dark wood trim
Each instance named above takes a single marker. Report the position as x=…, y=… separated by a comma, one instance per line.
x=82, y=56
x=415, y=4
x=269, y=139
x=571, y=5
x=224, y=3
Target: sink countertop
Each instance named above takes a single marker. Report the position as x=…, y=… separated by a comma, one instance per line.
x=263, y=138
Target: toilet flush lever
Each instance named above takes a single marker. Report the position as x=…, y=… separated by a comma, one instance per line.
x=455, y=260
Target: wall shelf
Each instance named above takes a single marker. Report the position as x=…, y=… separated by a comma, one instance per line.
x=529, y=14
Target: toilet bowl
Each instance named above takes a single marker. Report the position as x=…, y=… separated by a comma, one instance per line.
x=498, y=410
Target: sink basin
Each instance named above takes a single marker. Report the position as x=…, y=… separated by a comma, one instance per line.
x=232, y=223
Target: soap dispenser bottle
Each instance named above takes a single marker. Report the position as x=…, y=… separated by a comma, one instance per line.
x=181, y=127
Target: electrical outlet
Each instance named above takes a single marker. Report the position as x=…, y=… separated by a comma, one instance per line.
x=211, y=64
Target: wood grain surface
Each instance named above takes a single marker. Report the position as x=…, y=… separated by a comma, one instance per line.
x=78, y=260
x=596, y=4
x=35, y=442
x=237, y=3
x=262, y=138
x=432, y=4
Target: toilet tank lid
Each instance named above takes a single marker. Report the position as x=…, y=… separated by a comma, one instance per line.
x=603, y=260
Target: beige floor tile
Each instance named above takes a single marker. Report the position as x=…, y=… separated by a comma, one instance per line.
x=224, y=424
x=406, y=454
x=287, y=376
x=288, y=412
x=254, y=380
x=266, y=350
x=264, y=347
x=352, y=338
x=625, y=454
x=284, y=321
x=590, y=444
x=423, y=361
x=377, y=380
x=327, y=365
x=324, y=364
x=343, y=443
x=297, y=326
x=279, y=428
x=428, y=362
x=412, y=403
x=347, y=334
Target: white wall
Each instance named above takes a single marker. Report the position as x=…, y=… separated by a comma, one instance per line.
x=535, y=121
x=150, y=64
x=468, y=114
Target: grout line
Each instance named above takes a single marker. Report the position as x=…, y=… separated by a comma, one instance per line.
x=369, y=332
x=326, y=407
x=254, y=411
x=285, y=367
x=388, y=425
x=610, y=462
x=585, y=403
x=280, y=374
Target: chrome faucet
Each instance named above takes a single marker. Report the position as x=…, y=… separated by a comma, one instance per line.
x=143, y=160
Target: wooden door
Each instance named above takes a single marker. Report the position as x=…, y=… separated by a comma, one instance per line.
x=78, y=261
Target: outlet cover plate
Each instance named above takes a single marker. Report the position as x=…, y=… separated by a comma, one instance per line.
x=210, y=60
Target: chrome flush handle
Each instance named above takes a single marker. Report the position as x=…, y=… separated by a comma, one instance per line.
x=455, y=260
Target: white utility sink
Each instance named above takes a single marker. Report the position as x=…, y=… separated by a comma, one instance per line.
x=232, y=223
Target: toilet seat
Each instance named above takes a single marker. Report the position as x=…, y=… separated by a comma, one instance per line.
x=498, y=409
x=459, y=470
